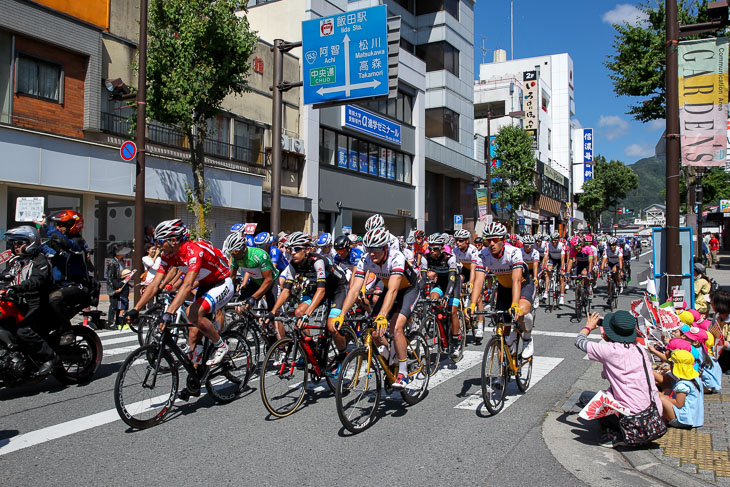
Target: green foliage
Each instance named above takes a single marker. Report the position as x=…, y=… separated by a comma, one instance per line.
x=638, y=66
x=198, y=54
x=516, y=172
x=204, y=231
x=715, y=186
x=612, y=181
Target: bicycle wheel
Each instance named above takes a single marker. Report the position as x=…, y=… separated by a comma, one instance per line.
x=418, y=370
x=434, y=345
x=142, y=395
x=578, y=302
x=228, y=379
x=494, y=376
x=524, y=367
x=461, y=344
x=252, y=332
x=332, y=368
x=284, y=377
x=358, y=391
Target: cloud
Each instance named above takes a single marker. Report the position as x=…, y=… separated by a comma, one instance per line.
x=625, y=13
x=639, y=150
x=656, y=125
x=613, y=126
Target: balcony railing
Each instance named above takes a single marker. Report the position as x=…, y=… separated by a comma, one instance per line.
x=166, y=135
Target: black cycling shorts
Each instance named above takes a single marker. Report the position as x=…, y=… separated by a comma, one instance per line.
x=403, y=304
x=504, y=295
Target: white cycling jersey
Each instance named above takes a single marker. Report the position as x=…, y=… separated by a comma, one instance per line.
x=470, y=257
x=395, y=264
x=502, y=265
x=613, y=255
x=530, y=257
x=555, y=252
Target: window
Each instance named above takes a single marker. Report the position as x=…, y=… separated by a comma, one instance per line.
x=216, y=143
x=407, y=46
x=550, y=138
x=399, y=108
x=327, y=147
x=430, y=6
x=439, y=55
x=442, y=122
x=248, y=139
x=39, y=78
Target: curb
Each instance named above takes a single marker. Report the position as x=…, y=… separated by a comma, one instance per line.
x=647, y=464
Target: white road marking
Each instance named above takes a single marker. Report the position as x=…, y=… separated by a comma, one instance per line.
x=114, y=341
x=562, y=334
x=541, y=366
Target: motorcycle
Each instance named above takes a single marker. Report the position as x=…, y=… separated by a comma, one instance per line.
x=78, y=348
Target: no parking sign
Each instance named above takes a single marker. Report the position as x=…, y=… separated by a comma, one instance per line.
x=128, y=150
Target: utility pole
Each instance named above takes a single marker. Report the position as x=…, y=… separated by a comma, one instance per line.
x=278, y=88
x=140, y=139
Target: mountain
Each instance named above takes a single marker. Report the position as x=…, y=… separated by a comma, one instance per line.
x=652, y=183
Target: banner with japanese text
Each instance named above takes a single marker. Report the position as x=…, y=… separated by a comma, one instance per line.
x=703, y=99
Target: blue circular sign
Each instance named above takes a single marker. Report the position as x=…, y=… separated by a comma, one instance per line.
x=128, y=150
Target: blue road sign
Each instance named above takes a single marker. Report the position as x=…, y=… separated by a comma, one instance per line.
x=458, y=219
x=375, y=125
x=128, y=150
x=346, y=56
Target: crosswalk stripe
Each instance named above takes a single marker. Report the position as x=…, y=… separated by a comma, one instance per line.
x=114, y=341
x=541, y=366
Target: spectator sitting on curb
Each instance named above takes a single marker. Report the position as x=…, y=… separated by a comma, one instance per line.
x=702, y=290
x=684, y=406
x=720, y=305
x=622, y=367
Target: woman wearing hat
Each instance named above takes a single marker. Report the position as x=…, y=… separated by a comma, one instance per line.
x=684, y=407
x=625, y=367
x=702, y=289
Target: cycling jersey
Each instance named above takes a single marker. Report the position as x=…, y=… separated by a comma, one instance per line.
x=255, y=262
x=320, y=271
x=555, y=252
x=581, y=255
x=613, y=255
x=278, y=259
x=541, y=248
x=445, y=268
x=351, y=260
x=503, y=264
x=627, y=252
x=530, y=258
x=468, y=258
x=201, y=257
x=394, y=265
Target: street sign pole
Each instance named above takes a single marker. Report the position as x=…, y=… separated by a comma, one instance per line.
x=139, y=190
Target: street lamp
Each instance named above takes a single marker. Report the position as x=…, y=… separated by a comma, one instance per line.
x=488, y=149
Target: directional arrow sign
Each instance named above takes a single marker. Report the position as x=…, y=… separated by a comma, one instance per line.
x=346, y=56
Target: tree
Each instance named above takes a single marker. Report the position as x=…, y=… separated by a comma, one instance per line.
x=638, y=67
x=590, y=201
x=515, y=176
x=611, y=183
x=198, y=54
x=715, y=186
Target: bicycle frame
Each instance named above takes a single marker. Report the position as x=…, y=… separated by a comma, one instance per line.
x=499, y=325
x=201, y=373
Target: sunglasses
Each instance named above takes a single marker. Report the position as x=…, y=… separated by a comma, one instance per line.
x=462, y=240
x=297, y=249
x=374, y=249
x=493, y=240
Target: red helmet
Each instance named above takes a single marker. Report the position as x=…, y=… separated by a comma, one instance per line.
x=419, y=234
x=68, y=218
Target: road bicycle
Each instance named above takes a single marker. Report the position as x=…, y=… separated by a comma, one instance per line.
x=294, y=360
x=613, y=291
x=625, y=276
x=583, y=296
x=553, y=301
x=359, y=384
x=438, y=332
x=501, y=361
x=147, y=383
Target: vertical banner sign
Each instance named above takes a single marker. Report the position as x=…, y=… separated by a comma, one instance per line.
x=530, y=105
x=703, y=98
x=727, y=154
x=481, y=194
x=587, y=154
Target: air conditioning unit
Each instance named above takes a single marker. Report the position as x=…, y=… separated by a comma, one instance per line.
x=285, y=142
x=297, y=145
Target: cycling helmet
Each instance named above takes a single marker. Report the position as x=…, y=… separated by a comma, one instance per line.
x=554, y=236
x=377, y=237
x=612, y=241
x=234, y=242
x=436, y=239
x=575, y=241
x=410, y=240
x=494, y=229
x=589, y=238
x=171, y=228
x=324, y=240
x=262, y=239
x=375, y=221
x=478, y=240
x=342, y=242
x=528, y=240
x=298, y=239
x=462, y=234
x=237, y=227
x=621, y=241
x=352, y=238
x=67, y=218
x=28, y=235
x=419, y=234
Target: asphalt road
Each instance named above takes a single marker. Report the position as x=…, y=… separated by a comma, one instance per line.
x=56, y=435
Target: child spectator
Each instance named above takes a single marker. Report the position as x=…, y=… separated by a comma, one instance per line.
x=684, y=407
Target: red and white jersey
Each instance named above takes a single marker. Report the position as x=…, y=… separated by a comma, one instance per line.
x=502, y=265
x=201, y=257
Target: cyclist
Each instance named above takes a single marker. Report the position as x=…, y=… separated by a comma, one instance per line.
x=531, y=258
x=554, y=257
x=395, y=307
x=442, y=269
x=420, y=248
x=580, y=258
x=324, y=243
x=514, y=292
x=614, y=257
x=326, y=285
x=627, y=258
x=377, y=221
x=590, y=241
x=478, y=243
x=200, y=262
x=347, y=257
x=259, y=272
x=467, y=255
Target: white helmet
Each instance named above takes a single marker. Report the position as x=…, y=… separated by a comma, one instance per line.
x=170, y=228
x=554, y=236
x=298, y=239
x=494, y=229
x=234, y=242
x=410, y=240
x=353, y=238
x=377, y=237
x=612, y=241
x=462, y=234
x=438, y=239
x=528, y=240
x=375, y=221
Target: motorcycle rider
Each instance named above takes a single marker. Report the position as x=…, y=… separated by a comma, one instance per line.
x=33, y=282
x=71, y=267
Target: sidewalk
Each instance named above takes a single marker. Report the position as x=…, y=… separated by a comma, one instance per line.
x=685, y=458
x=722, y=273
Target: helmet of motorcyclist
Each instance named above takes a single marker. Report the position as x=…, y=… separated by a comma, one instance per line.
x=24, y=235
x=69, y=219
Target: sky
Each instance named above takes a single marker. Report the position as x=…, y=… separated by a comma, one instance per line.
x=584, y=30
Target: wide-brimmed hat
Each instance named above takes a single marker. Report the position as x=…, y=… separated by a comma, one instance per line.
x=699, y=268
x=125, y=273
x=679, y=344
x=620, y=327
x=683, y=365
